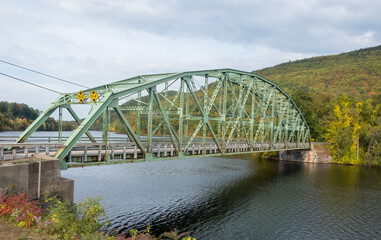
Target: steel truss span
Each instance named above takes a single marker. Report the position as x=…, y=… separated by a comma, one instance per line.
x=222, y=111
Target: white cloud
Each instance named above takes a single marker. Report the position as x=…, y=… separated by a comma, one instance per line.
x=97, y=42
x=70, y=5
x=367, y=39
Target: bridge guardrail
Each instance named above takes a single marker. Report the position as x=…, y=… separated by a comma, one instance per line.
x=87, y=151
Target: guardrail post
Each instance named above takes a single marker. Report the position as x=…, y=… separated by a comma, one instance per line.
x=165, y=150
x=47, y=151
x=124, y=152
x=112, y=152
x=13, y=153
x=84, y=158
x=2, y=154
x=135, y=152
x=100, y=153
x=60, y=125
x=25, y=151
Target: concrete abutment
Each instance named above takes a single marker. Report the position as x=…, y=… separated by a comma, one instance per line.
x=319, y=153
x=24, y=175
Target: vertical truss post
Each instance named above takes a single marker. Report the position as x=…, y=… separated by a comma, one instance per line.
x=225, y=99
x=286, y=128
x=239, y=102
x=298, y=134
x=181, y=115
x=149, y=155
x=165, y=108
x=205, y=120
x=60, y=124
x=252, y=121
x=186, y=112
x=138, y=119
x=273, y=102
x=219, y=109
x=105, y=132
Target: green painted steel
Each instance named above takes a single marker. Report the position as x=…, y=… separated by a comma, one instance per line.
x=230, y=106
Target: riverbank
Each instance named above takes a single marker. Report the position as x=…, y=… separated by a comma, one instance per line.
x=11, y=232
x=51, y=218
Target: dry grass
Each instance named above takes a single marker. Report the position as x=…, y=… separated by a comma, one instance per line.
x=10, y=232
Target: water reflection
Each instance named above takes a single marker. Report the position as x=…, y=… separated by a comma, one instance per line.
x=241, y=197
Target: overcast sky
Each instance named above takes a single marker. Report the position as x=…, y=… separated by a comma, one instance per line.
x=101, y=41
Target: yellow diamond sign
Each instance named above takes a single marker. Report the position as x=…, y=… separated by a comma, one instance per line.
x=94, y=96
x=81, y=97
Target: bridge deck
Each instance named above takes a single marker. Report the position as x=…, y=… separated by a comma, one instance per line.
x=99, y=153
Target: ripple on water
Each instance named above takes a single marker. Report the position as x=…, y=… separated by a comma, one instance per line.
x=237, y=198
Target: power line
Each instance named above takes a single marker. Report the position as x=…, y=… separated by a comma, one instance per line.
x=24, y=81
x=47, y=75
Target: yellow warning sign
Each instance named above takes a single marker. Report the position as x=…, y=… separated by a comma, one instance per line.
x=94, y=96
x=81, y=97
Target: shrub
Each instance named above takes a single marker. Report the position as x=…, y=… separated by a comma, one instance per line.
x=20, y=209
x=66, y=221
x=73, y=221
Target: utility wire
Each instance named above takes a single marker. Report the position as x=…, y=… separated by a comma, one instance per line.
x=60, y=79
x=24, y=81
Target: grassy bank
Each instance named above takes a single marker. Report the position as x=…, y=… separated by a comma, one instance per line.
x=51, y=218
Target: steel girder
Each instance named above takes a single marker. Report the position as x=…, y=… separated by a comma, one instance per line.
x=229, y=105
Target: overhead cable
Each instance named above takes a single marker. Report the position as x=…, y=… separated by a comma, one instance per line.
x=24, y=81
x=47, y=75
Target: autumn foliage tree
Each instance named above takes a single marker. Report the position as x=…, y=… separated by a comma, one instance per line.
x=354, y=132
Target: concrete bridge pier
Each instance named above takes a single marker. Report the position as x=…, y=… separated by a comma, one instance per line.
x=28, y=176
x=319, y=153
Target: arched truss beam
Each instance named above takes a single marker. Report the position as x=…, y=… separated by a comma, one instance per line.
x=285, y=122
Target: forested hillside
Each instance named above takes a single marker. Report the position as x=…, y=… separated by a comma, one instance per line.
x=340, y=97
x=18, y=116
x=356, y=73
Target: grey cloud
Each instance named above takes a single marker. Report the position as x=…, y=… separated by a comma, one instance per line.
x=280, y=24
x=95, y=42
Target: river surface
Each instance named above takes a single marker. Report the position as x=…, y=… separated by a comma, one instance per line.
x=238, y=198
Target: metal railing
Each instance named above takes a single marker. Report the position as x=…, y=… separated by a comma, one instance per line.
x=128, y=150
x=84, y=139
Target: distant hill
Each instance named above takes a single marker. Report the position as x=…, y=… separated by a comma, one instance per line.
x=356, y=73
x=316, y=83
x=18, y=116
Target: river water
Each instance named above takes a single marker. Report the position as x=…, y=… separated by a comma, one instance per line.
x=239, y=197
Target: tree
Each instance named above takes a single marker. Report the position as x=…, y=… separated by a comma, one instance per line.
x=354, y=133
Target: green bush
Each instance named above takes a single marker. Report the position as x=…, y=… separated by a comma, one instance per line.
x=78, y=221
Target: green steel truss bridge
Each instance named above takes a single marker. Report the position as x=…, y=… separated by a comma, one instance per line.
x=210, y=112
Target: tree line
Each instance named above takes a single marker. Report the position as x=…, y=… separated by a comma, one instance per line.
x=18, y=116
